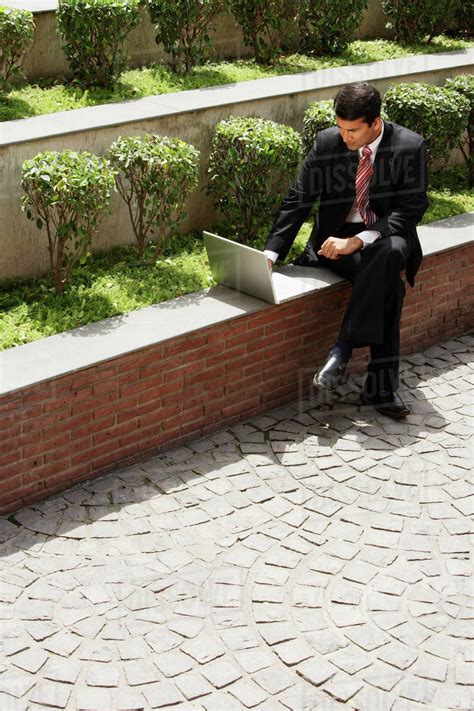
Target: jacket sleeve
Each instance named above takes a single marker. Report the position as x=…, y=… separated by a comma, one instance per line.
x=297, y=205
x=409, y=200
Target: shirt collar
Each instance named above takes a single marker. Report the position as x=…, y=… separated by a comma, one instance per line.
x=375, y=144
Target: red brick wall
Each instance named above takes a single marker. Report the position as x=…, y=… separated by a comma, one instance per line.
x=86, y=423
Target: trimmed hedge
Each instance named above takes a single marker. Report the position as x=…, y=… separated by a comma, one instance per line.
x=464, y=84
x=318, y=116
x=327, y=26
x=154, y=176
x=252, y=163
x=437, y=113
x=94, y=32
x=16, y=32
x=416, y=20
x=264, y=24
x=65, y=192
x=183, y=27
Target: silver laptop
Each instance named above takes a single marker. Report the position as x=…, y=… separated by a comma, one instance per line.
x=246, y=269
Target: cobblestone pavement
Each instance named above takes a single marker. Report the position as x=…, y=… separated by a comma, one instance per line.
x=313, y=558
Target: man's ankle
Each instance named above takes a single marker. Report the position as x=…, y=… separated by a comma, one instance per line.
x=343, y=349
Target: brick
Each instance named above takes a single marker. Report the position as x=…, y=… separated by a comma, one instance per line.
x=115, y=432
x=183, y=345
x=9, y=456
x=38, y=394
x=227, y=356
x=39, y=447
x=41, y=471
x=154, y=393
x=106, y=387
x=245, y=385
x=18, y=467
x=56, y=420
x=241, y=406
x=10, y=484
x=10, y=434
x=113, y=458
x=185, y=417
x=131, y=412
x=106, y=371
x=133, y=389
x=7, y=421
x=10, y=403
x=248, y=337
x=94, y=453
x=142, y=359
x=160, y=415
x=161, y=366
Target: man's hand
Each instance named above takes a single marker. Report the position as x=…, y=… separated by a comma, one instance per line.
x=336, y=247
x=270, y=264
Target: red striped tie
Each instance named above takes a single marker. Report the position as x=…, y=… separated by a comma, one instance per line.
x=362, y=182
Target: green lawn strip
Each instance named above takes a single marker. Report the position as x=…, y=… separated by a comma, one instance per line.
x=115, y=282
x=50, y=95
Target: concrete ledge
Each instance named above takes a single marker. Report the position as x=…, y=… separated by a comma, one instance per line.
x=90, y=345
x=165, y=105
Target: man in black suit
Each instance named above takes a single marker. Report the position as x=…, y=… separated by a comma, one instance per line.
x=370, y=178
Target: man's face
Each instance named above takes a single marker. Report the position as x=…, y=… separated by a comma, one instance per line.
x=358, y=133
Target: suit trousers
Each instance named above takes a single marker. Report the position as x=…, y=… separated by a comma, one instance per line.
x=372, y=317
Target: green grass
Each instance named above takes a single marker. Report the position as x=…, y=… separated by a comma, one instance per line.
x=48, y=96
x=115, y=282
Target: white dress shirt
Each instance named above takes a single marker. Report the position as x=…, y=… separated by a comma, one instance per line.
x=367, y=236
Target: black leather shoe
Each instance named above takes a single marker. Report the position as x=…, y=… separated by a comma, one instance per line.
x=390, y=404
x=330, y=375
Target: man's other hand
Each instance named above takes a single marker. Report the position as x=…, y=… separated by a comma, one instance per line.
x=270, y=264
x=336, y=247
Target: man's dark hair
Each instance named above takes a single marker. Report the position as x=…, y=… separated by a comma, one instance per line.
x=358, y=101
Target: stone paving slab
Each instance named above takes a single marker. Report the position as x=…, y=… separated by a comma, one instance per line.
x=317, y=557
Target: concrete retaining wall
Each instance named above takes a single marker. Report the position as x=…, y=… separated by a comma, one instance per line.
x=189, y=115
x=46, y=58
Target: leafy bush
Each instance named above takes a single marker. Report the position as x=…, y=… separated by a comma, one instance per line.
x=252, y=163
x=16, y=32
x=94, y=32
x=327, y=26
x=464, y=84
x=463, y=21
x=183, y=27
x=318, y=116
x=155, y=174
x=264, y=24
x=414, y=20
x=438, y=114
x=65, y=192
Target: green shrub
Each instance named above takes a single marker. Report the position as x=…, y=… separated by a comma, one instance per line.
x=183, y=27
x=318, y=116
x=16, y=32
x=94, y=32
x=416, y=20
x=264, y=24
x=464, y=84
x=154, y=176
x=65, y=193
x=327, y=26
x=463, y=21
x=252, y=163
x=438, y=114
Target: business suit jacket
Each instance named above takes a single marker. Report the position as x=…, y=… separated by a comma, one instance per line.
x=397, y=191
